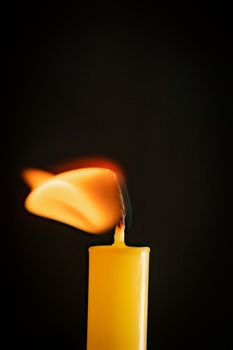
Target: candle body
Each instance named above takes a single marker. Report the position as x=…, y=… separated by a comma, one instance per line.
x=117, y=297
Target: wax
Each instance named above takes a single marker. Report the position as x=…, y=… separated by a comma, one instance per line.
x=117, y=297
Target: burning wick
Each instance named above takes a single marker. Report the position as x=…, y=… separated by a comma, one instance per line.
x=91, y=199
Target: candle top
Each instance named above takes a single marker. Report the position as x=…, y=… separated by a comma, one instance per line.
x=89, y=199
x=119, y=245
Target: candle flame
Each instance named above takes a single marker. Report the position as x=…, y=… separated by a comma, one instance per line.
x=89, y=199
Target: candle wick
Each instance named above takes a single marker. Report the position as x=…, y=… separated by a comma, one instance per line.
x=119, y=236
x=122, y=204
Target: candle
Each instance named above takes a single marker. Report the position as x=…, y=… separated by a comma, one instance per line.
x=117, y=296
x=90, y=199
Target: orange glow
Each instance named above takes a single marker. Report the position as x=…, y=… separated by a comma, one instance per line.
x=93, y=162
x=87, y=198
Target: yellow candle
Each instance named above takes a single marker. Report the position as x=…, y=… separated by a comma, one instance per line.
x=117, y=296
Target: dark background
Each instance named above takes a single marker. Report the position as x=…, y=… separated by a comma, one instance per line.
x=150, y=89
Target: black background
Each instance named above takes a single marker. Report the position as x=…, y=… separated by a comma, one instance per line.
x=150, y=89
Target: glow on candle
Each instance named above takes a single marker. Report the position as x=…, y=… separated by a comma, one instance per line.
x=90, y=199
